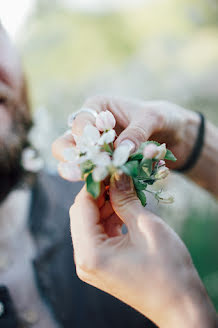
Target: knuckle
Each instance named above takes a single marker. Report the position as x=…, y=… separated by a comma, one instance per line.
x=99, y=100
x=138, y=132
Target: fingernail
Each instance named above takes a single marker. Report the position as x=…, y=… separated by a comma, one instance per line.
x=128, y=143
x=122, y=182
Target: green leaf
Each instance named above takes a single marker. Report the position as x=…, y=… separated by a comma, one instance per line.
x=136, y=157
x=130, y=168
x=139, y=185
x=169, y=156
x=107, y=148
x=142, y=197
x=92, y=187
x=146, y=166
x=86, y=167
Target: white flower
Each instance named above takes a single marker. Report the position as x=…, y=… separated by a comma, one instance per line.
x=105, y=121
x=162, y=172
x=164, y=197
x=161, y=151
x=107, y=137
x=69, y=171
x=103, y=163
x=100, y=173
x=71, y=154
x=150, y=151
x=102, y=159
x=120, y=155
x=90, y=137
x=30, y=161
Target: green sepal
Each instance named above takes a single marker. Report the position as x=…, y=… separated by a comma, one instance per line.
x=146, y=167
x=139, y=185
x=169, y=156
x=86, y=167
x=142, y=197
x=131, y=168
x=136, y=157
x=107, y=148
x=92, y=186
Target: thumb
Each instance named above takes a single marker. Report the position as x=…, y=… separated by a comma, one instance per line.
x=136, y=133
x=124, y=199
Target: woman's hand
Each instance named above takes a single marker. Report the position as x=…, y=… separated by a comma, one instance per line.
x=148, y=268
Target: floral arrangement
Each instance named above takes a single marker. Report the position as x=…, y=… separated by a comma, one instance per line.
x=94, y=158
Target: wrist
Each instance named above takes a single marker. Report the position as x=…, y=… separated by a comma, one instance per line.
x=192, y=307
x=191, y=122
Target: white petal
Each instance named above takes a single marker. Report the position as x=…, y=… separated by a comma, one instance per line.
x=99, y=173
x=102, y=159
x=105, y=121
x=121, y=155
x=70, y=154
x=69, y=171
x=91, y=133
x=107, y=137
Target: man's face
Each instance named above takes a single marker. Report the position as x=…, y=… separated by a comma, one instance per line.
x=14, y=110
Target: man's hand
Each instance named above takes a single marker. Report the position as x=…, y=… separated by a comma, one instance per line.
x=148, y=268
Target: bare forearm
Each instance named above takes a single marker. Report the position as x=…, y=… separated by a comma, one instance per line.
x=205, y=173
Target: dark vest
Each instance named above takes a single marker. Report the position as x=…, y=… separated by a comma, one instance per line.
x=73, y=303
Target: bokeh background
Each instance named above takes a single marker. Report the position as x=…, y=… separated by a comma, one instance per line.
x=150, y=49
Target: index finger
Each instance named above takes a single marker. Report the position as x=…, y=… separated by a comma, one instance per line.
x=86, y=230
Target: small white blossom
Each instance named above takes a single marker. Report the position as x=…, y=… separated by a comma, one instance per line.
x=162, y=172
x=164, y=197
x=105, y=121
x=107, y=137
x=120, y=156
x=90, y=137
x=100, y=173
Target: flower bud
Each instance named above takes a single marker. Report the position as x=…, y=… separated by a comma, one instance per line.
x=161, y=151
x=162, y=173
x=161, y=163
x=164, y=197
x=150, y=151
x=105, y=121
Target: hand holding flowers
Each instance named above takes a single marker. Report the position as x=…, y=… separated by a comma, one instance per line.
x=94, y=158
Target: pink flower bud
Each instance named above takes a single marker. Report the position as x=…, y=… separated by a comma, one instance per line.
x=161, y=151
x=161, y=163
x=150, y=151
x=162, y=172
x=105, y=121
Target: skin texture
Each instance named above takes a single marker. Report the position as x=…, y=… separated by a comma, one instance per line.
x=149, y=268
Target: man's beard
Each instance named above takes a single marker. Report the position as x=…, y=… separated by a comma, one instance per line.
x=11, y=147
